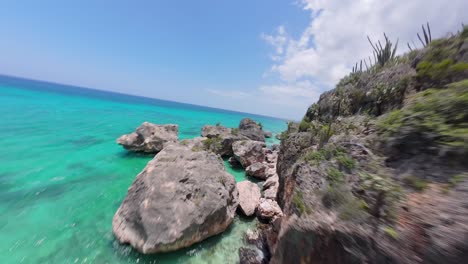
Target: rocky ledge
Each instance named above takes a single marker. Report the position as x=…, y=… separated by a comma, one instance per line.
x=149, y=138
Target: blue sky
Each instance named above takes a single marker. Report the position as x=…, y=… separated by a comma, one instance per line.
x=187, y=51
x=260, y=56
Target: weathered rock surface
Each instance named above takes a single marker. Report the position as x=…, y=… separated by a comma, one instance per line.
x=149, y=138
x=250, y=256
x=268, y=210
x=257, y=170
x=249, y=197
x=181, y=197
x=250, y=129
x=220, y=139
x=248, y=152
x=215, y=131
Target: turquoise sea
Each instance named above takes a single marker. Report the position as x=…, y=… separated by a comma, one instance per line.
x=62, y=176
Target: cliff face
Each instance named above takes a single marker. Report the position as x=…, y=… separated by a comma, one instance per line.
x=376, y=171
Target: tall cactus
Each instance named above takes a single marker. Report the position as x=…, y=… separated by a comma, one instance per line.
x=427, y=35
x=384, y=54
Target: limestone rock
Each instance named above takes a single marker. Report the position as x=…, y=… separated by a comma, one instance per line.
x=248, y=152
x=250, y=129
x=249, y=197
x=181, y=197
x=149, y=138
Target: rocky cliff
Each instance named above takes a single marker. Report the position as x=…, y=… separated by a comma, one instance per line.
x=376, y=171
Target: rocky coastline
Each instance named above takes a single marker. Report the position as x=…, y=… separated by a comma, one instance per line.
x=374, y=173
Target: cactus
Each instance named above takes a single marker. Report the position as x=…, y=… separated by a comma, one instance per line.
x=383, y=54
x=427, y=35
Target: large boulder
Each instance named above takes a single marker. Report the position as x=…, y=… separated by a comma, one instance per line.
x=181, y=197
x=248, y=152
x=257, y=170
x=250, y=129
x=149, y=138
x=249, y=196
x=215, y=131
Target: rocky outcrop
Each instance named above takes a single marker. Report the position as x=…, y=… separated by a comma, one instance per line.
x=268, y=210
x=257, y=170
x=249, y=197
x=149, y=138
x=250, y=129
x=181, y=197
x=220, y=139
x=267, y=134
x=389, y=186
x=248, y=152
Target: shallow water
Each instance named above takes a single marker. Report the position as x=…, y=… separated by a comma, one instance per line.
x=62, y=176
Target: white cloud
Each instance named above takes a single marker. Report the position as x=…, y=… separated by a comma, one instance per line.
x=335, y=38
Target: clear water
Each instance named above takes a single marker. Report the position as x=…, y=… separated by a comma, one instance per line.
x=62, y=176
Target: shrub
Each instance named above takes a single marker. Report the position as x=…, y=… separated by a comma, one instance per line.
x=298, y=201
x=391, y=232
x=346, y=161
x=416, y=183
x=314, y=156
x=304, y=126
x=334, y=175
x=436, y=117
x=457, y=179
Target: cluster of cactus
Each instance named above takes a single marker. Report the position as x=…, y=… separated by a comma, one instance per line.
x=357, y=69
x=427, y=37
x=383, y=54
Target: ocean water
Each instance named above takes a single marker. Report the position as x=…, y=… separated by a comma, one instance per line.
x=62, y=176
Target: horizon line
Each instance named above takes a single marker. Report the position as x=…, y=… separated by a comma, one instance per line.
x=139, y=96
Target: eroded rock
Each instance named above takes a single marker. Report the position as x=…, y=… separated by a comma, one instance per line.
x=181, y=197
x=249, y=197
x=149, y=138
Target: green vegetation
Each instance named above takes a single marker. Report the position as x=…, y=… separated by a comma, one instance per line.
x=260, y=125
x=346, y=161
x=218, y=124
x=304, y=125
x=335, y=176
x=352, y=209
x=438, y=117
x=298, y=201
x=213, y=144
x=314, y=157
x=416, y=183
x=441, y=72
x=391, y=232
x=457, y=179
x=325, y=133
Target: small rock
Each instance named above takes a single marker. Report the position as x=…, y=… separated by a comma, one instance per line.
x=268, y=210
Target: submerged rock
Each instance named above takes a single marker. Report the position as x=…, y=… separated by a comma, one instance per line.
x=149, y=138
x=249, y=196
x=181, y=197
x=267, y=134
x=248, y=152
x=251, y=130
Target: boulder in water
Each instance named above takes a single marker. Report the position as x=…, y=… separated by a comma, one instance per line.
x=149, y=138
x=181, y=197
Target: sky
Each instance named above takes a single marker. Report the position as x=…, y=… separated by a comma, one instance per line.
x=260, y=56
